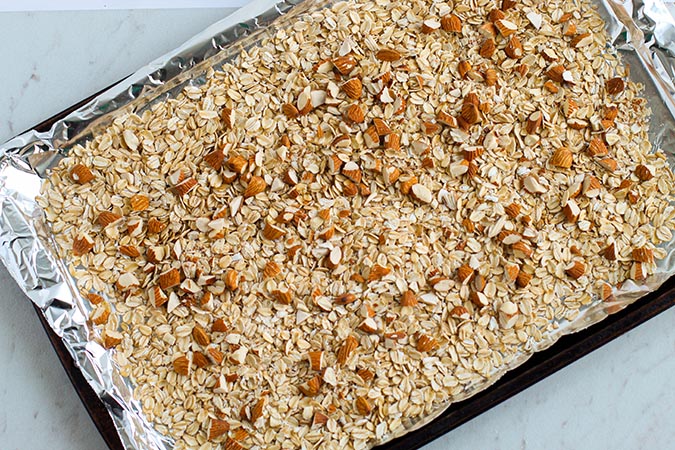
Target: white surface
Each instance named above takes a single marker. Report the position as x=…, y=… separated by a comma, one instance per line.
x=619, y=397
x=80, y=5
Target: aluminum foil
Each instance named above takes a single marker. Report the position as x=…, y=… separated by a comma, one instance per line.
x=642, y=31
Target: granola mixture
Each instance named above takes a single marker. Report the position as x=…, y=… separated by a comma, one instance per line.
x=362, y=218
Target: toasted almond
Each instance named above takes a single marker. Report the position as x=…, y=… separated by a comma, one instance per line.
x=470, y=113
x=381, y=127
x=283, y=297
x=487, y=48
x=157, y=297
x=363, y=406
x=638, y=272
x=353, y=88
x=327, y=234
x=82, y=244
x=155, y=226
x=169, y=279
x=505, y=27
x=215, y=158
x=597, y=148
x=591, y=186
x=534, y=122
x=451, y=23
x=257, y=410
x=218, y=428
x=200, y=336
x=365, y=374
x=463, y=68
x=199, y=359
x=139, y=202
x=514, y=48
x=388, y=54
x=430, y=128
x=643, y=254
x=512, y=270
x=181, y=365
x=255, y=186
x=555, y=73
x=460, y=312
x=107, y=218
x=377, y=272
x=371, y=137
x=571, y=211
x=577, y=124
x=490, y=77
x=608, y=164
x=312, y=387
x=272, y=232
x=569, y=28
x=344, y=64
x=290, y=111
x=575, y=270
x=392, y=141
x=352, y=171
x=581, y=40
x=355, y=114
x=496, y=14
x=465, y=273
x=430, y=25
x=319, y=419
x=409, y=299
x=129, y=250
x=347, y=348
x=316, y=360
x=368, y=325
x=219, y=326
x=185, y=186
x=552, y=88
x=562, y=157
x=232, y=280
x=522, y=250
x=446, y=119
x=614, y=86
x=112, y=338
x=227, y=116
x=81, y=174
x=426, y=343
x=100, y=315
x=94, y=299
x=523, y=279
x=512, y=210
x=644, y=173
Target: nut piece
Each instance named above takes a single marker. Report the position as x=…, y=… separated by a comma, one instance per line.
x=255, y=187
x=82, y=244
x=523, y=279
x=562, y=157
x=272, y=232
x=643, y=254
x=506, y=27
x=377, y=272
x=430, y=25
x=409, y=299
x=200, y=336
x=426, y=343
x=555, y=73
x=344, y=64
x=348, y=346
x=355, y=114
x=644, y=173
x=534, y=122
x=107, y=218
x=139, y=202
x=283, y=297
x=597, y=148
x=112, y=338
x=312, y=387
x=451, y=23
x=465, y=273
x=81, y=174
x=614, y=86
x=363, y=406
x=181, y=365
x=129, y=250
x=487, y=49
x=470, y=113
x=571, y=211
x=576, y=270
x=388, y=54
x=353, y=88
x=316, y=360
x=514, y=49
x=581, y=40
x=218, y=428
x=215, y=158
x=169, y=279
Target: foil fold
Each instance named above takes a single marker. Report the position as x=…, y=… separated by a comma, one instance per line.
x=642, y=31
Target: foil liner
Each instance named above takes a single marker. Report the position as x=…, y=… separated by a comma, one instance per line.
x=643, y=32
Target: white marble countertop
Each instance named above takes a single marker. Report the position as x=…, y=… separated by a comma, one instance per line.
x=618, y=397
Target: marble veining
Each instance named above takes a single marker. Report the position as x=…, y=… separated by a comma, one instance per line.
x=618, y=397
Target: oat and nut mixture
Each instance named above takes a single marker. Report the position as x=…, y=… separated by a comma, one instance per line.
x=362, y=218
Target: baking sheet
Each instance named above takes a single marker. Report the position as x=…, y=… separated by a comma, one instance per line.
x=643, y=32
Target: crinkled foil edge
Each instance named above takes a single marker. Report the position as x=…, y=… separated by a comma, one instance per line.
x=643, y=32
